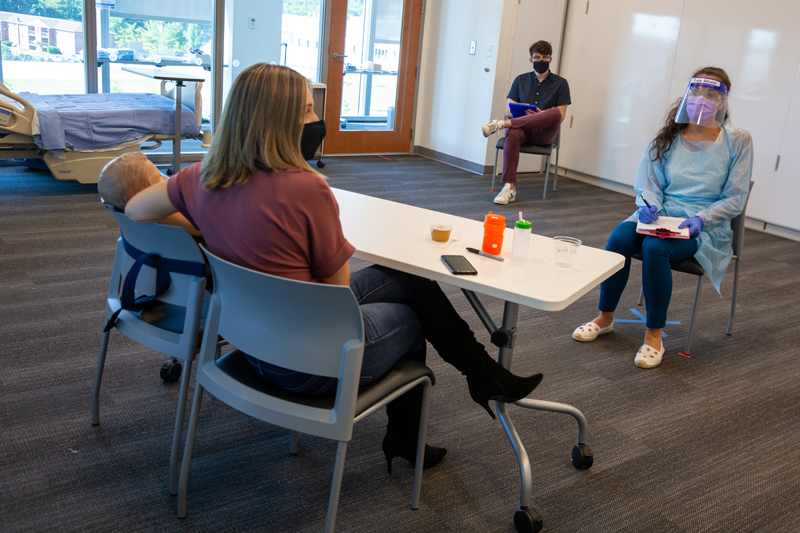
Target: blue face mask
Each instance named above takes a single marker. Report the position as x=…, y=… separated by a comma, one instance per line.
x=700, y=109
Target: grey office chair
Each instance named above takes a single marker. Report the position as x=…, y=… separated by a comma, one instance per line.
x=171, y=322
x=534, y=149
x=691, y=266
x=306, y=327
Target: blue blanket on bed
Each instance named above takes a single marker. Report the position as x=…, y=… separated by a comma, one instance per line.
x=96, y=121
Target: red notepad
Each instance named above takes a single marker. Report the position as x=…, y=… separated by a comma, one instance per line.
x=665, y=228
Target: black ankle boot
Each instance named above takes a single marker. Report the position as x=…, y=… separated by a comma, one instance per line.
x=403, y=429
x=488, y=380
x=407, y=449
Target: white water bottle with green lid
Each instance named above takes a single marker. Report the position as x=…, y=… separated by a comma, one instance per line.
x=522, y=239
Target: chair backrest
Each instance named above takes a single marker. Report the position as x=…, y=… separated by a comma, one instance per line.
x=292, y=324
x=169, y=242
x=737, y=225
x=174, y=333
x=307, y=327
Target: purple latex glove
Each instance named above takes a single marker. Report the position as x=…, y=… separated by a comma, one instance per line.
x=648, y=215
x=695, y=225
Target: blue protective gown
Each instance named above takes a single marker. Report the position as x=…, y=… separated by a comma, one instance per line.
x=707, y=179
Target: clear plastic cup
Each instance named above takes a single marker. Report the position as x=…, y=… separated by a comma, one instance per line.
x=565, y=248
x=441, y=232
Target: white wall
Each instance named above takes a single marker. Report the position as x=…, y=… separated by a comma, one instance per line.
x=245, y=46
x=620, y=88
x=629, y=60
x=760, y=50
x=456, y=95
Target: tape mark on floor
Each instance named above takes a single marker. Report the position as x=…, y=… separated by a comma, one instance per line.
x=642, y=319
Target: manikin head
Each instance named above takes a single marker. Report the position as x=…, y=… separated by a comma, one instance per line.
x=125, y=176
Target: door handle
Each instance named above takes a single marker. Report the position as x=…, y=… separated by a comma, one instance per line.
x=337, y=56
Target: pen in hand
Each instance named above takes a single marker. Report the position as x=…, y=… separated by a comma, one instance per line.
x=647, y=216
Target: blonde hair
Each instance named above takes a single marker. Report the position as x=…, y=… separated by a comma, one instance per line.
x=122, y=178
x=262, y=122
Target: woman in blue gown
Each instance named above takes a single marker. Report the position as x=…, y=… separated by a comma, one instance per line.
x=698, y=167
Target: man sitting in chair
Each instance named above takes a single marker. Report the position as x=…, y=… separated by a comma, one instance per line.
x=543, y=89
x=128, y=174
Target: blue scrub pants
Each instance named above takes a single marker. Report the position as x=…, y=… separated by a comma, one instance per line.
x=656, y=272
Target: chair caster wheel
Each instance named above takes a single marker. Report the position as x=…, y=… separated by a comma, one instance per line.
x=582, y=457
x=320, y=164
x=171, y=371
x=528, y=520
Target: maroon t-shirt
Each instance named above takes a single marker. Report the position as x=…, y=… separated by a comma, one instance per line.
x=283, y=222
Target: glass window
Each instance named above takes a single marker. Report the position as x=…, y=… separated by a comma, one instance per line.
x=134, y=38
x=43, y=32
x=299, y=28
x=369, y=88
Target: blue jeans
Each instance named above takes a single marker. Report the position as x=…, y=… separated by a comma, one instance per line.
x=391, y=329
x=656, y=272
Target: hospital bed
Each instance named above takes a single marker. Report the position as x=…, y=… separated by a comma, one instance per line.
x=76, y=135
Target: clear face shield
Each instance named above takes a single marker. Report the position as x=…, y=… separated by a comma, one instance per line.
x=704, y=104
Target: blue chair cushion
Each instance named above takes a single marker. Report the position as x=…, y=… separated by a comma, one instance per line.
x=403, y=372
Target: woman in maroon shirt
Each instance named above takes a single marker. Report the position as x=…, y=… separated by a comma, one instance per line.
x=260, y=205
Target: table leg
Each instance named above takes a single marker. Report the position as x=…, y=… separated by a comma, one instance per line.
x=176, y=144
x=527, y=519
x=504, y=356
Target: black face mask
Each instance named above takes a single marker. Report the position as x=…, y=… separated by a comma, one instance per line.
x=540, y=67
x=313, y=133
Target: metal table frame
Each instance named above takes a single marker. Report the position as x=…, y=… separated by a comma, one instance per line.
x=506, y=335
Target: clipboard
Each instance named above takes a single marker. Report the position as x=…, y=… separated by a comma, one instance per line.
x=664, y=228
x=518, y=110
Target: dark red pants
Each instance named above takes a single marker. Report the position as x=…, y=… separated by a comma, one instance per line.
x=539, y=128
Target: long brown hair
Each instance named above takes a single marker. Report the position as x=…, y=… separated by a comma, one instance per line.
x=261, y=124
x=663, y=141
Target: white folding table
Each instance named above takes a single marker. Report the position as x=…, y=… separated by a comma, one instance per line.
x=398, y=236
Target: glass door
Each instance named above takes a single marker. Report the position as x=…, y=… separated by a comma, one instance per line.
x=371, y=75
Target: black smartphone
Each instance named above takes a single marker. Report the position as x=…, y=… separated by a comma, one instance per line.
x=458, y=265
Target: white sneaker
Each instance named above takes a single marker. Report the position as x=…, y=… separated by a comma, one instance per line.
x=492, y=127
x=648, y=357
x=506, y=195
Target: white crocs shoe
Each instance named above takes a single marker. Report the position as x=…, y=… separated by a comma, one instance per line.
x=590, y=331
x=506, y=196
x=648, y=357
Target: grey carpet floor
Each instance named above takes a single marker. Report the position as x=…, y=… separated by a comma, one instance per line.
x=700, y=444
